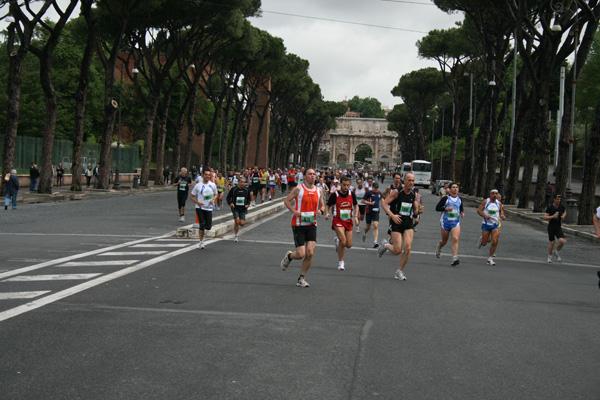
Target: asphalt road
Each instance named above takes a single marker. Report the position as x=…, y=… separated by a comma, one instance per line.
x=227, y=323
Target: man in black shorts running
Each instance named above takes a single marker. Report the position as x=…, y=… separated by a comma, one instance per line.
x=401, y=206
x=555, y=213
x=238, y=199
x=183, y=183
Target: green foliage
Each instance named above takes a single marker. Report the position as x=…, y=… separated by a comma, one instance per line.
x=588, y=85
x=362, y=152
x=368, y=107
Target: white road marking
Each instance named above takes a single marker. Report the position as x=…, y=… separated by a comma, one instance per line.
x=91, y=283
x=133, y=253
x=73, y=257
x=151, y=245
x=107, y=263
x=22, y=295
x=52, y=277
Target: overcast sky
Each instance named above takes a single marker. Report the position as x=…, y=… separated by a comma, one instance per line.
x=349, y=59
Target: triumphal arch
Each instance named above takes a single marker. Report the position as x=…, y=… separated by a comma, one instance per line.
x=353, y=133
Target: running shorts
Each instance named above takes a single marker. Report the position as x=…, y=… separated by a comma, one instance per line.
x=489, y=228
x=555, y=233
x=181, y=198
x=303, y=234
x=239, y=213
x=448, y=225
x=204, y=219
x=362, y=209
x=372, y=216
x=337, y=222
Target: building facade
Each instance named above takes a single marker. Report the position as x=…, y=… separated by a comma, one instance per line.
x=352, y=133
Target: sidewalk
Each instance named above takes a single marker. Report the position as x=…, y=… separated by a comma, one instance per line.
x=586, y=232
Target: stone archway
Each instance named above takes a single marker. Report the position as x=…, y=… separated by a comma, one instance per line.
x=362, y=152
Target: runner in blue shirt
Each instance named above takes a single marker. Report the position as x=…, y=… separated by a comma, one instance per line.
x=452, y=210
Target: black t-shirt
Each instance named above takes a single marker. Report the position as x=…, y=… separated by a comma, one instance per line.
x=183, y=184
x=403, y=205
x=551, y=210
x=235, y=196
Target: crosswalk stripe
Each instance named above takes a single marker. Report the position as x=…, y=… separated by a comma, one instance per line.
x=146, y=245
x=134, y=253
x=54, y=277
x=22, y=295
x=106, y=263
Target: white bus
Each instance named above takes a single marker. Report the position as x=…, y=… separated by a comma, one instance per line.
x=421, y=169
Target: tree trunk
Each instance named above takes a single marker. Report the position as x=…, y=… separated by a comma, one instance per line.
x=492, y=148
x=592, y=157
x=530, y=142
x=161, y=138
x=191, y=130
x=80, y=97
x=12, y=112
x=45, y=185
x=562, y=166
x=225, y=134
x=465, y=176
x=543, y=151
x=108, y=127
x=148, y=132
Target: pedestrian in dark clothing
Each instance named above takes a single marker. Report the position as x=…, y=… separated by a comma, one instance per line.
x=96, y=174
x=88, y=175
x=10, y=189
x=34, y=175
x=549, y=193
x=166, y=174
x=60, y=171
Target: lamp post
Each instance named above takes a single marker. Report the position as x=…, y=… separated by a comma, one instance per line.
x=117, y=184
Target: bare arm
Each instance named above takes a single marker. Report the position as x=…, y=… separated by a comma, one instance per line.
x=386, y=207
x=288, y=201
x=480, y=210
x=597, y=225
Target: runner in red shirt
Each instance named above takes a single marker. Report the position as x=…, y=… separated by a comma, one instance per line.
x=346, y=207
x=307, y=206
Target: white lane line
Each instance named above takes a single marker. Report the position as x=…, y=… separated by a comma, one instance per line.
x=133, y=253
x=151, y=245
x=74, y=257
x=72, y=234
x=256, y=225
x=53, y=277
x=98, y=263
x=22, y=295
x=32, y=305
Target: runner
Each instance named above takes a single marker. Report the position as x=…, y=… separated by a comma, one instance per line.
x=308, y=204
x=255, y=177
x=396, y=185
x=491, y=210
x=597, y=227
x=373, y=200
x=398, y=206
x=183, y=183
x=284, y=181
x=221, y=183
x=238, y=199
x=346, y=206
x=264, y=178
x=272, y=184
x=555, y=214
x=204, y=195
x=451, y=208
x=360, y=191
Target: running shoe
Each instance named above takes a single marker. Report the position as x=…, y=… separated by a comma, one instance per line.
x=438, y=251
x=557, y=256
x=357, y=229
x=491, y=261
x=399, y=275
x=286, y=261
x=341, y=266
x=382, y=249
x=201, y=246
x=336, y=242
x=479, y=242
x=182, y=219
x=235, y=239
x=364, y=236
x=549, y=259
x=302, y=283
x=455, y=261
x=375, y=245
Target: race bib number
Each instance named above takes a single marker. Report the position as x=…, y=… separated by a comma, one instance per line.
x=240, y=201
x=452, y=216
x=182, y=186
x=307, y=218
x=359, y=198
x=207, y=197
x=220, y=188
x=345, y=215
x=255, y=180
x=493, y=212
x=405, y=208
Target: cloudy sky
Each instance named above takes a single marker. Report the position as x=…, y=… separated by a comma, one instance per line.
x=352, y=59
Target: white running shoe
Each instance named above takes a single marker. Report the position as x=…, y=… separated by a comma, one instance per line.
x=302, y=283
x=341, y=266
x=557, y=256
x=218, y=208
x=399, y=275
x=336, y=241
x=455, y=261
x=479, y=242
x=364, y=236
x=236, y=239
x=286, y=261
x=201, y=246
x=382, y=249
x=181, y=218
x=438, y=251
x=491, y=261
x=549, y=259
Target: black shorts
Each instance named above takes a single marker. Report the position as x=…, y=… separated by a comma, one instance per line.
x=362, y=209
x=239, y=212
x=401, y=228
x=255, y=188
x=303, y=234
x=555, y=233
x=292, y=184
x=204, y=219
x=181, y=198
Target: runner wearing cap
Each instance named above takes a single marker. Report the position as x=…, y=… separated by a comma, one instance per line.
x=491, y=210
x=555, y=214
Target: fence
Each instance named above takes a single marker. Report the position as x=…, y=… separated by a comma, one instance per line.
x=29, y=149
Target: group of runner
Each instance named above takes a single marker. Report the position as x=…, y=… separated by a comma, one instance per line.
x=331, y=195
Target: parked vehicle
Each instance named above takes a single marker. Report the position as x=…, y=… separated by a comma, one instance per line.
x=435, y=186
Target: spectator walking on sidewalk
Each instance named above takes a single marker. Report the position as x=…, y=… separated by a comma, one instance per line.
x=11, y=187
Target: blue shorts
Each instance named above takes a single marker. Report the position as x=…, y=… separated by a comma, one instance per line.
x=448, y=225
x=272, y=185
x=372, y=217
x=489, y=228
